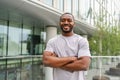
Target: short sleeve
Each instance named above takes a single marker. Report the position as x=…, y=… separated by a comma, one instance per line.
x=84, y=48
x=49, y=46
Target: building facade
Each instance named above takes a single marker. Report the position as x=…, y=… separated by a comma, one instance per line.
x=26, y=26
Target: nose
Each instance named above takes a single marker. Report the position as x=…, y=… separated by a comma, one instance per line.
x=66, y=22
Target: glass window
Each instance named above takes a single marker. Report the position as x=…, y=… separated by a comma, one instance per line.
x=60, y=7
x=89, y=13
x=38, y=68
x=13, y=67
x=3, y=37
x=75, y=10
x=42, y=44
x=84, y=8
x=48, y=2
x=96, y=7
x=27, y=30
x=31, y=41
x=14, y=36
x=26, y=70
x=2, y=69
x=37, y=42
x=68, y=5
x=109, y=5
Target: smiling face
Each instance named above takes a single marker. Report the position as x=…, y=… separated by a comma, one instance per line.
x=67, y=23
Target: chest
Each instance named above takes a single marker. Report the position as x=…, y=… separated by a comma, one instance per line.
x=66, y=47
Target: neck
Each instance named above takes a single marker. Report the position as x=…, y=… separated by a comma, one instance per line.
x=67, y=34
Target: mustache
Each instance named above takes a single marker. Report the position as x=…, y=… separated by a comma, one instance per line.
x=65, y=25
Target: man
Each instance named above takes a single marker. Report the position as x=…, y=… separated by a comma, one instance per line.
x=68, y=54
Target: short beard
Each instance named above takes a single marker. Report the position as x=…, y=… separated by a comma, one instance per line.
x=67, y=31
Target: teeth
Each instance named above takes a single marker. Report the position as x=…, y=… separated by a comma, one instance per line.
x=66, y=27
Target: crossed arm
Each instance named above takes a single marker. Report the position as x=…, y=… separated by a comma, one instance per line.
x=66, y=63
x=79, y=64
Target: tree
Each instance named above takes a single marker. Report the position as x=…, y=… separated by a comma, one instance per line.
x=106, y=40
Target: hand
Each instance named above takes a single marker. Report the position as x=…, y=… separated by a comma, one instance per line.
x=72, y=58
x=53, y=54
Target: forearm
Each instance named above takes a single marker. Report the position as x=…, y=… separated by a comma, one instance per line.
x=56, y=62
x=77, y=65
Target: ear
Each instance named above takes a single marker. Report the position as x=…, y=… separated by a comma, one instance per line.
x=74, y=24
x=59, y=23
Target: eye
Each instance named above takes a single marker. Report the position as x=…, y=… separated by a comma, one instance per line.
x=62, y=20
x=66, y=19
x=69, y=20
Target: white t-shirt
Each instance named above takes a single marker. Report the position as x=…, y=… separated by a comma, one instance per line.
x=74, y=45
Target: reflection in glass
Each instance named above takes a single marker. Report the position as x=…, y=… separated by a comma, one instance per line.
x=75, y=10
x=84, y=8
x=60, y=7
x=26, y=31
x=48, y=2
x=26, y=71
x=43, y=40
x=68, y=6
x=32, y=42
x=14, y=44
x=2, y=69
x=13, y=65
x=3, y=38
x=38, y=68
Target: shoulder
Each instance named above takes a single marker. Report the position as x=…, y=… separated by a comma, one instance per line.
x=81, y=38
x=54, y=39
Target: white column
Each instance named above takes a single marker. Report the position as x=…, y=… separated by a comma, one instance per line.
x=50, y=32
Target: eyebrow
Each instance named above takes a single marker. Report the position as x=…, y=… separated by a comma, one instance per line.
x=72, y=18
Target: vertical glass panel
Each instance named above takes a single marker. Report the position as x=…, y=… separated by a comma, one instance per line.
x=37, y=67
x=68, y=6
x=2, y=69
x=84, y=8
x=27, y=30
x=32, y=43
x=109, y=4
x=13, y=67
x=43, y=40
x=26, y=71
x=60, y=5
x=75, y=10
x=14, y=44
x=116, y=7
x=36, y=40
x=89, y=13
x=96, y=8
x=48, y=2
x=3, y=37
